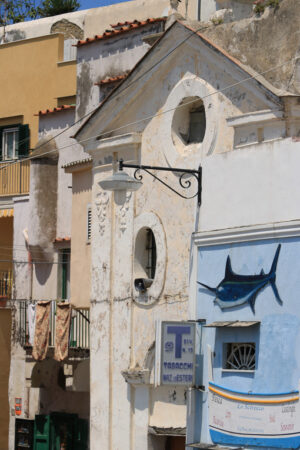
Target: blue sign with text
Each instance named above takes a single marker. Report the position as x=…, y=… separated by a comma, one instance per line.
x=177, y=353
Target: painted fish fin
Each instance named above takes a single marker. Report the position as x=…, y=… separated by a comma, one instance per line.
x=275, y=261
x=275, y=290
x=252, y=302
x=228, y=270
x=214, y=290
x=262, y=272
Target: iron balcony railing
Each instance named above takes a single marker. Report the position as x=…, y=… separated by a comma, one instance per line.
x=6, y=282
x=14, y=178
x=79, y=337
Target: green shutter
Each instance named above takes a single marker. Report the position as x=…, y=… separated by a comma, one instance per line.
x=42, y=432
x=24, y=135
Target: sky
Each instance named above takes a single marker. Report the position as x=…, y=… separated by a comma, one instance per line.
x=86, y=4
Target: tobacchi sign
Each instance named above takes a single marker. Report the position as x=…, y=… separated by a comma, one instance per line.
x=267, y=420
x=177, y=353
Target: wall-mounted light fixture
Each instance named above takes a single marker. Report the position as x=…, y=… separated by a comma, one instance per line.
x=122, y=181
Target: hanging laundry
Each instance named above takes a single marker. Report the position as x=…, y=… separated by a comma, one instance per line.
x=62, y=328
x=31, y=322
x=41, y=335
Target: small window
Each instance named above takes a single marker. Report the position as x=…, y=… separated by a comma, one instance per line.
x=14, y=141
x=65, y=259
x=197, y=125
x=145, y=259
x=10, y=143
x=151, y=254
x=239, y=356
x=89, y=223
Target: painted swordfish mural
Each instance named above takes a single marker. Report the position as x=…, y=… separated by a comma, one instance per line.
x=237, y=289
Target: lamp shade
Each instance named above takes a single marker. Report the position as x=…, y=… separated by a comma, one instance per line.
x=120, y=181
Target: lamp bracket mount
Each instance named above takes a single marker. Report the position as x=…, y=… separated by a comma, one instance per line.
x=183, y=181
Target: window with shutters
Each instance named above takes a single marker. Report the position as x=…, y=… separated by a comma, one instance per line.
x=10, y=143
x=89, y=223
x=14, y=142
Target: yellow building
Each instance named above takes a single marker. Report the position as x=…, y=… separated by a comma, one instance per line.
x=33, y=77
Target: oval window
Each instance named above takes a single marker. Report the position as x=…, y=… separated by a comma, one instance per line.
x=144, y=259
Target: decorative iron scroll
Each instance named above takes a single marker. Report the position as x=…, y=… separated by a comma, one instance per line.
x=183, y=182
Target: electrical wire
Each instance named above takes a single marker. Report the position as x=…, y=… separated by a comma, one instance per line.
x=193, y=32
x=148, y=117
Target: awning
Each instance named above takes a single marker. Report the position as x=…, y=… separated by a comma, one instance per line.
x=6, y=212
x=232, y=324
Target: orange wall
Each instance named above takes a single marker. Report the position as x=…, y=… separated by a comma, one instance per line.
x=32, y=76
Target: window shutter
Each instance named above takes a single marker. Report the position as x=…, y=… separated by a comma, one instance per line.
x=23, y=141
x=89, y=224
x=1, y=156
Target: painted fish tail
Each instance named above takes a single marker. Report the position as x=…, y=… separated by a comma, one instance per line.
x=273, y=275
x=275, y=261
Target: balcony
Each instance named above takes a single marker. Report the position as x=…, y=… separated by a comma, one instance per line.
x=79, y=338
x=14, y=177
x=6, y=282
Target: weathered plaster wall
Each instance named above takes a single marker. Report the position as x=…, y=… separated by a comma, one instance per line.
x=43, y=201
x=92, y=21
x=5, y=346
x=239, y=9
x=252, y=42
x=17, y=387
x=128, y=327
x=61, y=125
x=108, y=58
x=20, y=252
x=81, y=248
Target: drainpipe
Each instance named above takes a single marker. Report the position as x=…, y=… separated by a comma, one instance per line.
x=29, y=256
x=199, y=10
x=30, y=268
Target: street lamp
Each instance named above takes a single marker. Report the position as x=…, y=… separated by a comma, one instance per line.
x=122, y=181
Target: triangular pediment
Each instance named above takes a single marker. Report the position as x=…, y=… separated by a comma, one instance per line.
x=181, y=54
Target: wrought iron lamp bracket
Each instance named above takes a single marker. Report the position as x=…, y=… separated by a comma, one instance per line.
x=184, y=183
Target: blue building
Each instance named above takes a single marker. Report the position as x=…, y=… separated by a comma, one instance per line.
x=248, y=373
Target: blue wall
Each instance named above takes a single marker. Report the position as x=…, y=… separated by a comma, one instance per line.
x=277, y=338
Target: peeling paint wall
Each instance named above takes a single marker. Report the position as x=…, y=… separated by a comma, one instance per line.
x=108, y=58
x=123, y=322
x=255, y=42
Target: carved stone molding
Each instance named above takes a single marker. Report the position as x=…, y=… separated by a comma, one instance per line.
x=101, y=209
x=136, y=376
x=123, y=219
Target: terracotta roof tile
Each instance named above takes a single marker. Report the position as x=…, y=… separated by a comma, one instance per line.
x=111, y=80
x=59, y=240
x=54, y=110
x=119, y=28
x=77, y=163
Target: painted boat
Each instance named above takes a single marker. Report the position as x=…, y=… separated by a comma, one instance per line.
x=254, y=419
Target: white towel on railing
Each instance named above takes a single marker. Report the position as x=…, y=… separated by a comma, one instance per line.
x=31, y=322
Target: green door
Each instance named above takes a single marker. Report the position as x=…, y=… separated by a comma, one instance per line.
x=62, y=430
x=81, y=440
x=41, y=432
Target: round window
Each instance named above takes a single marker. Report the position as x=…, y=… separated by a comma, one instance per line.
x=189, y=122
